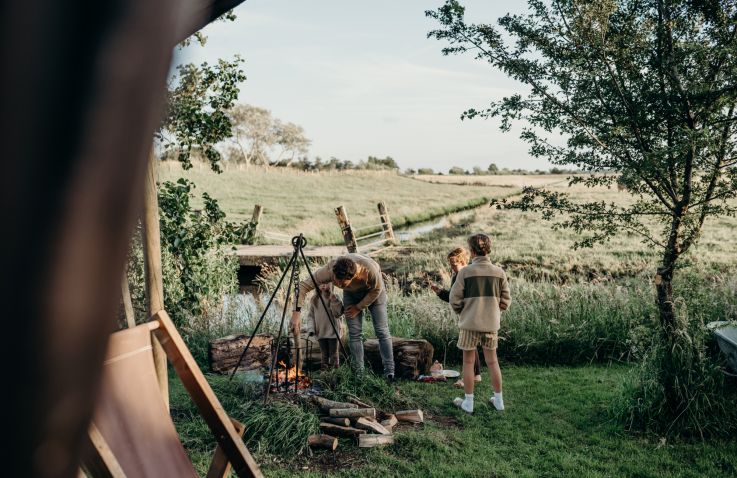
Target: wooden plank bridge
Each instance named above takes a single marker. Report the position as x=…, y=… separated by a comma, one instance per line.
x=380, y=234
x=256, y=255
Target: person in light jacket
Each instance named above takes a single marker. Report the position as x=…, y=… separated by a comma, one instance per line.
x=319, y=324
x=479, y=294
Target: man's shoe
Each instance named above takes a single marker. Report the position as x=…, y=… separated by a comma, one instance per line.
x=390, y=378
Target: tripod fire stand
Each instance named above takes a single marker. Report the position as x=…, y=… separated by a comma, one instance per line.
x=298, y=242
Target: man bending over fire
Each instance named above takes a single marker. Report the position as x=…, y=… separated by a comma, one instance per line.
x=363, y=288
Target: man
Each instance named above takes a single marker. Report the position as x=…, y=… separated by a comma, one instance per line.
x=363, y=288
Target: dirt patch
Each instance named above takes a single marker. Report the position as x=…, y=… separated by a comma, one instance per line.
x=330, y=461
x=443, y=420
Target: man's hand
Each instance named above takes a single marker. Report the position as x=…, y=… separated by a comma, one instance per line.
x=352, y=311
x=296, y=323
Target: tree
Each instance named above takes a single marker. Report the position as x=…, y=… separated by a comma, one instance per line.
x=477, y=171
x=643, y=92
x=493, y=169
x=456, y=170
x=425, y=171
x=196, y=118
x=256, y=134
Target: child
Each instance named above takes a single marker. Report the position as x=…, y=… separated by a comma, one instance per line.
x=479, y=294
x=323, y=330
x=458, y=259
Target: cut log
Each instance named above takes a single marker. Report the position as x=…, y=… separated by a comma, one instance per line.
x=412, y=358
x=353, y=412
x=371, y=425
x=327, y=405
x=390, y=422
x=370, y=441
x=225, y=352
x=337, y=430
x=322, y=441
x=356, y=401
x=412, y=416
x=343, y=422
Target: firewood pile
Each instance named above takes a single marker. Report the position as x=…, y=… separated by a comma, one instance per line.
x=359, y=421
x=412, y=357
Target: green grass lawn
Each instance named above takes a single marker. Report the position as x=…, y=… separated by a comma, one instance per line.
x=557, y=424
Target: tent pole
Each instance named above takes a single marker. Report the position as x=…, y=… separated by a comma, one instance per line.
x=154, y=279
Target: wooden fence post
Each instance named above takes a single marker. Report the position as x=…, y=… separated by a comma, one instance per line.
x=386, y=223
x=152, y=262
x=256, y=217
x=345, y=228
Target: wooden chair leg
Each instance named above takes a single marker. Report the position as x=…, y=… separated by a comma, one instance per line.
x=220, y=466
x=98, y=460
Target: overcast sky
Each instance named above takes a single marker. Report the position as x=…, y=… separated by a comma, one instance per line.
x=362, y=79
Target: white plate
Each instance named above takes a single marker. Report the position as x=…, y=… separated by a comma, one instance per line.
x=451, y=373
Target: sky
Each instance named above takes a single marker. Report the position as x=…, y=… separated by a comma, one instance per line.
x=362, y=78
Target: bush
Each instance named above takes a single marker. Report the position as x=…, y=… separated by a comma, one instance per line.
x=679, y=390
x=196, y=271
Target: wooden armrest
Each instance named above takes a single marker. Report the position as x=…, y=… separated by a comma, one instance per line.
x=220, y=466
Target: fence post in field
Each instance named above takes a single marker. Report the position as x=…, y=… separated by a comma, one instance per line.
x=345, y=228
x=386, y=224
x=257, y=210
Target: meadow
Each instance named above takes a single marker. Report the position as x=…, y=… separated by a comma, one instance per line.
x=580, y=323
x=296, y=201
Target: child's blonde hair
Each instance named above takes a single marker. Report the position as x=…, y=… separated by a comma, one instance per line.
x=459, y=253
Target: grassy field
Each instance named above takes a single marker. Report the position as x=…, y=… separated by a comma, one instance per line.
x=557, y=424
x=297, y=201
x=588, y=312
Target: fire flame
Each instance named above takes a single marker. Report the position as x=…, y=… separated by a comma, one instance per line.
x=287, y=376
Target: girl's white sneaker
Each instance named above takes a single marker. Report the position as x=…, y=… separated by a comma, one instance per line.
x=463, y=404
x=498, y=403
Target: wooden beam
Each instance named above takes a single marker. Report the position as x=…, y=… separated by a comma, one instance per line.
x=256, y=217
x=130, y=317
x=370, y=441
x=202, y=395
x=220, y=466
x=371, y=425
x=386, y=223
x=99, y=460
x=337, y=430
x=353, y=412
x=322, y=441
x=154, y=278
x=343, y=422
x=345, y=227
x=412, y=416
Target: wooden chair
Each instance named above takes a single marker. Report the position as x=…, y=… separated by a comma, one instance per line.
x=132, y=433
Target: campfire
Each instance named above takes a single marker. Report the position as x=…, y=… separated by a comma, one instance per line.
x=285, y=379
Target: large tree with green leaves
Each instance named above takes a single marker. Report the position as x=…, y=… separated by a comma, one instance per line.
x=642, y=92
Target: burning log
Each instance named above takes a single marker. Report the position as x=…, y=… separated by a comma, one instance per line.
x=371, y=425
x=353, y=412
x=225, y=352
x=343, y=422
x=412, y=416
x=370, y=441
x=284, y=379
x=337, y=430
x=322, y=441
x=326, y=405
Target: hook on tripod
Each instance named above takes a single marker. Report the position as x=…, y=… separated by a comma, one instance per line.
x=299, y=241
